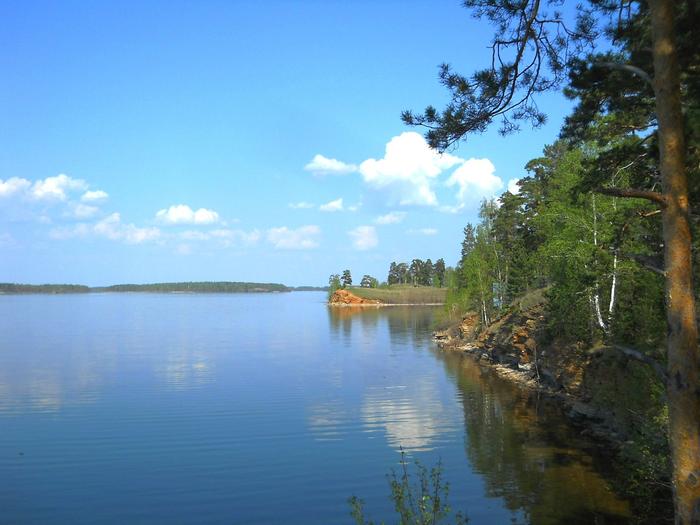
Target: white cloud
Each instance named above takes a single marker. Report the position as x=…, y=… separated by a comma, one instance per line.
x=422, y=231
x=195, y=235
x=56, y=188
x=513, y=186
x=84, y=211
x=408, y=170
x=364, y=237
x=321, y=165
x=300, y=205
x=336, y=205
x=13, y=185
x=302, y=238
x=183, y=214
x=393, y=217
x=241, y=236
x=475, y=181
x=184, y=249
x=110, y=228
x=94, y=196
x=227, y=236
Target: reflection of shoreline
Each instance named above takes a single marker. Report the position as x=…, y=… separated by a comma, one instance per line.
x=528, y=454
x=405, y=324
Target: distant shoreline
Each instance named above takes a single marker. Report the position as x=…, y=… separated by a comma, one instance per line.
x=173, y=287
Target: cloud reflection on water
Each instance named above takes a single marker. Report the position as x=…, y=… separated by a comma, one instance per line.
x=412, y=417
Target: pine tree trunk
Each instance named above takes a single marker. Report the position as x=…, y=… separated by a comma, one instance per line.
x=683, y=388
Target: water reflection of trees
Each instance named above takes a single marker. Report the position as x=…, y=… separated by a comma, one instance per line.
x=527, y=453
x=405, y=324
x=404, y=406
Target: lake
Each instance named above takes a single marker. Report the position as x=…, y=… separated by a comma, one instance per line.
x=261, y=409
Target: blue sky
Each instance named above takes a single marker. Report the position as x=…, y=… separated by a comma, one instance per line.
x=234, y=140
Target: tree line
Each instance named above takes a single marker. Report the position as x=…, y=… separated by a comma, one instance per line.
x=419, y=272
x=183, y=287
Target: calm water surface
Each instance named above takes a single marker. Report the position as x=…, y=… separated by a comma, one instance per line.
x=150, y=408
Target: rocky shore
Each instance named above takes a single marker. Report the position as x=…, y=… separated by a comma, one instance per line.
x=346, y=298
x=605, y=391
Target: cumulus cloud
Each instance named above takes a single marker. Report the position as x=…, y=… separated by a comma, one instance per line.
x=94, y=196
x=112, y=228
x=302, y=238
x=513, y=186
x=422, y=231
x=393, y=217
x=336, y=205
x=13, y=185
x=183, y=214
x=475, y=180
x=56, y=188
x=408, y=170
x=364, y=237
x=321, y=165
x=300, y=205
x=84, y=211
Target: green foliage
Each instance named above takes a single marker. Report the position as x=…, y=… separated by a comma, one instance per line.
x=403, y=294
x=346, y=278
x=418, y=273
x=197, y=287
x=421, y=503
x=440, y=269
x=12, y=288
x=333, y=284
x=188, y=287
x=575, y=243
x=369, y=282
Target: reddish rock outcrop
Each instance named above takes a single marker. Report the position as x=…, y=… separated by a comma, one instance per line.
x=345, y=298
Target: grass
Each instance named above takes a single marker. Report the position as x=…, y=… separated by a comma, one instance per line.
x=402, y=294
x=418, y=500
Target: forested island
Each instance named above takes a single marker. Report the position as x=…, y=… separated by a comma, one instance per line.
x=184, y=287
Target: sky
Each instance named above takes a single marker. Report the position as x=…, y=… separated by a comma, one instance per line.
x=239, y=141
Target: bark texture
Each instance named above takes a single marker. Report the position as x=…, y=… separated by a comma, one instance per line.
x=683, y=386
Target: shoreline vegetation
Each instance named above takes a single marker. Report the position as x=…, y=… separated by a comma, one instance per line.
x=609, y=391
x=177, y=287
x=393, y=295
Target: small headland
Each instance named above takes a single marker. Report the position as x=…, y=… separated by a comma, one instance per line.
x=346, y=298
x=395, y=295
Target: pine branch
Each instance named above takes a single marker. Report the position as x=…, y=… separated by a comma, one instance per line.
x=632, y=193
x=629, y=68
